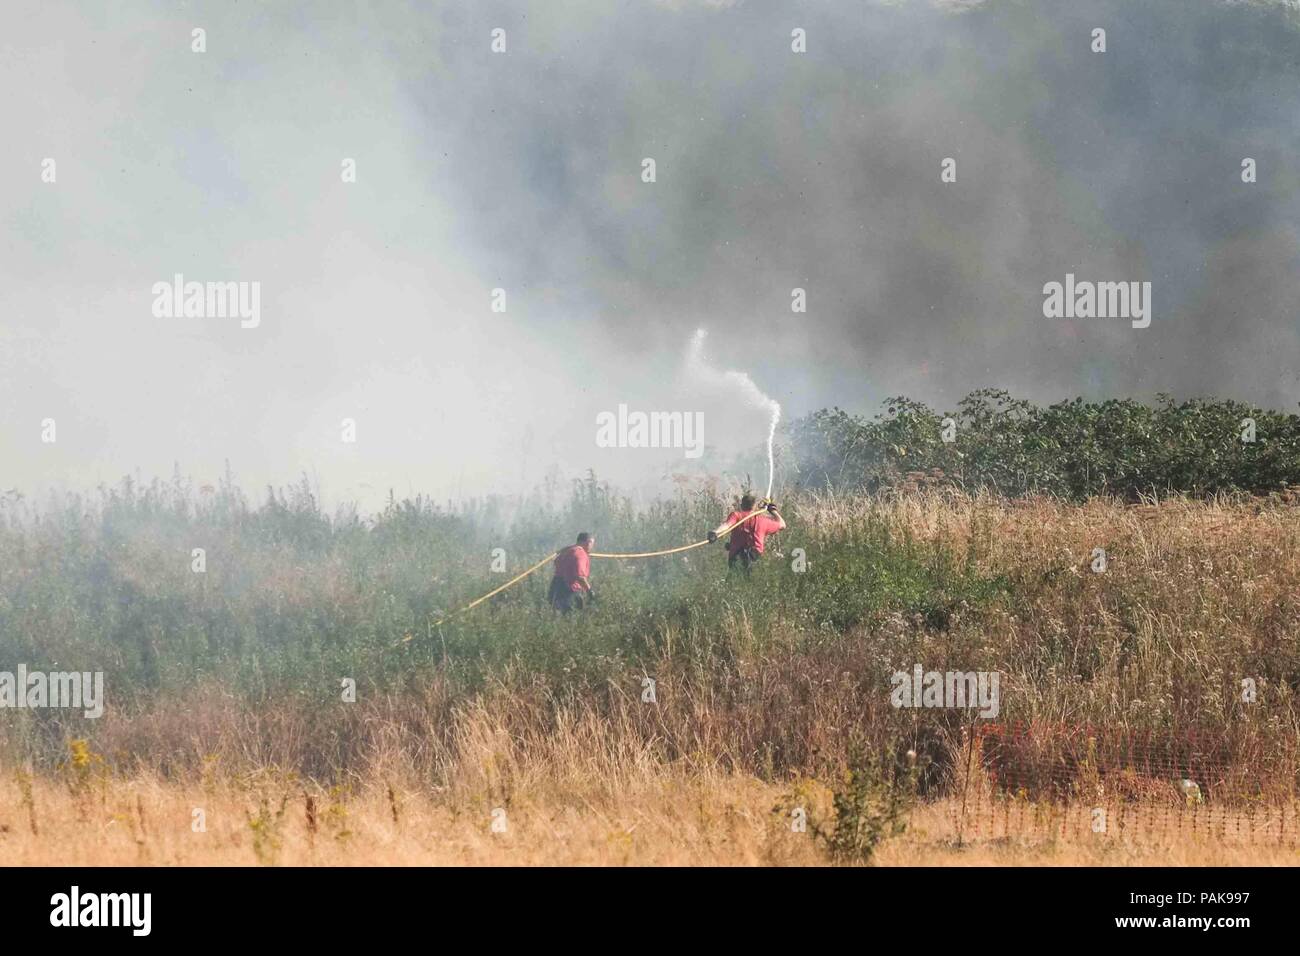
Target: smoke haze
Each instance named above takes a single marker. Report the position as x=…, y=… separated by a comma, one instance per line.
x=522, y=171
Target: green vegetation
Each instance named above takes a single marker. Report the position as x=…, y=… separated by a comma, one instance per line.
x=1073, y=449
x=870, y=800
x=242, y=664
x=290, y=598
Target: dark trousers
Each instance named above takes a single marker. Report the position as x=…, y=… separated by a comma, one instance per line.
x=745, y=557
x=562, y=599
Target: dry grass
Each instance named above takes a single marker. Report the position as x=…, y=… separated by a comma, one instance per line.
x=671, y=819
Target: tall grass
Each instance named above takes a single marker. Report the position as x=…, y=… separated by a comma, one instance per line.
x=240, y=666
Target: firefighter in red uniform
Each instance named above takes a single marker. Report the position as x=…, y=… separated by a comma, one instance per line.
x=746, y=544
x=571, y=588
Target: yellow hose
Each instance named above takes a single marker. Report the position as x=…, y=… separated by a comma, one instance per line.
x=685, y=547
x=595, y=554
x=477, y=601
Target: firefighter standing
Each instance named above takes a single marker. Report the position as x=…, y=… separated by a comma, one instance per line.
x=747, y=538
x=571, y=586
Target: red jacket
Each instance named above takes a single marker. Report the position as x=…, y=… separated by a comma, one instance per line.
x=750, y=534
x=572, y=564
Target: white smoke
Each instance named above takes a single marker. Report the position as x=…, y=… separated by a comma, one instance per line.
x=738, y=383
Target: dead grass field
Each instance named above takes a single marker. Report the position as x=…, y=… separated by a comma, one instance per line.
x=673, y=821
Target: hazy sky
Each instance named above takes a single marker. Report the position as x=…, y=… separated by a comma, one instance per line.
x=522, y=170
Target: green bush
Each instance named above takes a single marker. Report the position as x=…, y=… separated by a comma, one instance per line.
x=1073, y=449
